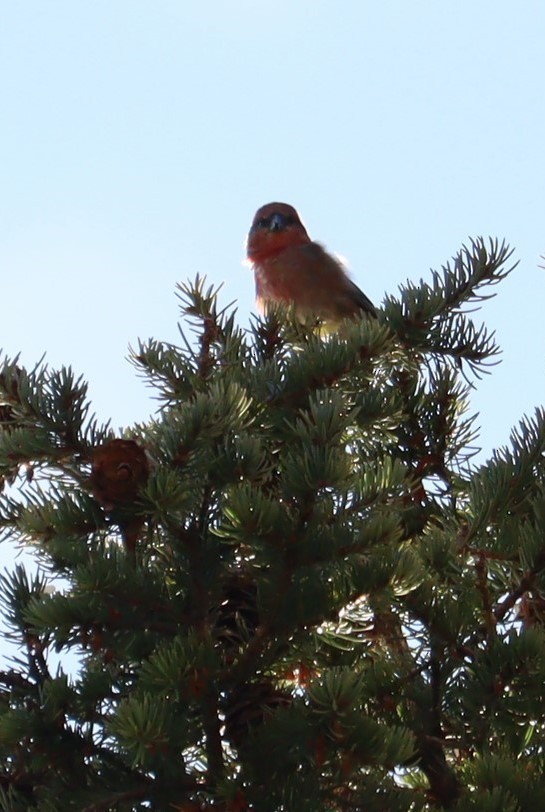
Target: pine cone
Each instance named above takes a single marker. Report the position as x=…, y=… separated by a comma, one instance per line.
x=119, y=469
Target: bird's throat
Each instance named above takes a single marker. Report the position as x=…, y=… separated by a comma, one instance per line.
x=268, y=246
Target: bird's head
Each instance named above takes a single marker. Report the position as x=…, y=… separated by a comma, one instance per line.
x=274, y=227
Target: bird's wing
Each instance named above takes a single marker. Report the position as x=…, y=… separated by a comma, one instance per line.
x=360, y=299
x=326, y=273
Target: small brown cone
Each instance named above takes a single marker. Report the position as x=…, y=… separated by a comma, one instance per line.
x=119, y=468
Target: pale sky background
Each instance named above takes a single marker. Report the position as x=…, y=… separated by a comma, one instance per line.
x=138, y=138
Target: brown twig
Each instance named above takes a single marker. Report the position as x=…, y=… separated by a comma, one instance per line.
x=481, y=570
x=526, y=583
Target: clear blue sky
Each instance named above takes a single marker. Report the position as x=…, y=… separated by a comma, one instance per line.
x=138, y=138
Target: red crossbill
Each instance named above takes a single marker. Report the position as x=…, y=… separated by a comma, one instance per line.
x=292, y=269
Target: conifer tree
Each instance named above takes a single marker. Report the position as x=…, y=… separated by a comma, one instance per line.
x=292, y=590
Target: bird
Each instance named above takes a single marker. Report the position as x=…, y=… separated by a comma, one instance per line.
x=291, y=269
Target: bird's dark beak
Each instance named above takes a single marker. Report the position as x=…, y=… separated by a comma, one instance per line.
x=277, y=222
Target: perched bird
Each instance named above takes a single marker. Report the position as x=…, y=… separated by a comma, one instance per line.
x=292, y=269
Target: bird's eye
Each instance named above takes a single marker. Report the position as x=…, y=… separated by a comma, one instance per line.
x=276, y=221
